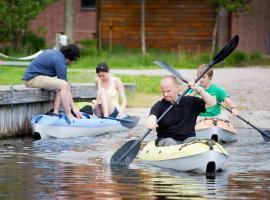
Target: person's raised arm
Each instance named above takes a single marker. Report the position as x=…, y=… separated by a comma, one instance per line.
x=208, y=99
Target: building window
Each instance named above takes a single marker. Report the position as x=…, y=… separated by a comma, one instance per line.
x=88, y=4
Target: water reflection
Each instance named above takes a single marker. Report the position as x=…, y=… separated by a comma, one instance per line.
x=79, y=169
x=253, y=184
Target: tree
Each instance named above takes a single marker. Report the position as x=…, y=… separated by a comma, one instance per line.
x=15, y=16
x=223, y=8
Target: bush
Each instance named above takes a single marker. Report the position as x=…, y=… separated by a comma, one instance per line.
x=237, y=58
x=32, y=42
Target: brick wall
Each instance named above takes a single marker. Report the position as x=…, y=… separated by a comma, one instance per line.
x=191, y=28
x=51, y=19
x=252, y=27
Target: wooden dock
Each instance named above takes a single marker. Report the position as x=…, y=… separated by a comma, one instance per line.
x=18, y=104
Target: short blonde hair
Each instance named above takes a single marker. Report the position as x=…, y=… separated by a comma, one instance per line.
x=202, y=68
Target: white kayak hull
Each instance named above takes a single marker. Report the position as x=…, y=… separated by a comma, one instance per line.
x=218, y=130
x=204, y=159
x=51, y=131
x=46, y=126
x=216, y=133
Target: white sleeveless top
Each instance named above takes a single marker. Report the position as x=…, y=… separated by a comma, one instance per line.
x=111, y=91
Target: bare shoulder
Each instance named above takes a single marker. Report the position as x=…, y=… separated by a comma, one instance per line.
x=117, y=81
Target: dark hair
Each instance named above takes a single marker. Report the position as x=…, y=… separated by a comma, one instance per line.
x=102, y=67
x=71, y=51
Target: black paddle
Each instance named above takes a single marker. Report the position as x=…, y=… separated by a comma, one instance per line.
x=265, y=134
x=127, y=153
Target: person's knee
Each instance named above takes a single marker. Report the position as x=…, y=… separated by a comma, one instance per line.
x=166, y=142
x=64, y=86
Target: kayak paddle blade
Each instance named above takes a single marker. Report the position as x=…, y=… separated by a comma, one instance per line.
x=126, y=154
x=226, y=51
x=129, y=121
x=265, y=134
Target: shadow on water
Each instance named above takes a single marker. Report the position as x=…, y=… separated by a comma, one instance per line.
x=79, y=168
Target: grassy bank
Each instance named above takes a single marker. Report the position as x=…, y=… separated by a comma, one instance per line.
x=133, y=59
x=122, y=58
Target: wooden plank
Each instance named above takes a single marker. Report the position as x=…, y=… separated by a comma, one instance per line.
x=19, y=94
x=167, y=23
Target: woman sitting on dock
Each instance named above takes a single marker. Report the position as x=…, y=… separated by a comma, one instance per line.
x=109, y=89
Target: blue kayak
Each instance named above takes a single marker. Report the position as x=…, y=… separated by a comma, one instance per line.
x=59, y=126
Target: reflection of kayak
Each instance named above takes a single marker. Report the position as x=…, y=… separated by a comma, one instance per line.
x=59, y=126
x=199, y=156
x=216, y=129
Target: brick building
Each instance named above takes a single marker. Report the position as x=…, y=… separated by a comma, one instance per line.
x=51, y=21
x=169, y=24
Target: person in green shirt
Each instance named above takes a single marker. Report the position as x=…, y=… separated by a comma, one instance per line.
x=216, y=91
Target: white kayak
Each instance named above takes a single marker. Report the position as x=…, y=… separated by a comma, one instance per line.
x=216, y=129
x=59, y=126
x=200, y=156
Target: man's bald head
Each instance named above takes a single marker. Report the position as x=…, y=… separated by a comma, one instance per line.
x=169, y=87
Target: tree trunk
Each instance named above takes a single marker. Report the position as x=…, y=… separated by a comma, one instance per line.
x=223, y=28
x=69, y=20
x=143, y=46
x=214, y=36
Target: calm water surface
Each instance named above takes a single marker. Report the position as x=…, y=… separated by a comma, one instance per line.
x=79, y=169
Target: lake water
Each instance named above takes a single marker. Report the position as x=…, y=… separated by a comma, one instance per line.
x=79, y=169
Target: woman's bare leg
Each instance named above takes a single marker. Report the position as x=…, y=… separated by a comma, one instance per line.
x=104, y=103
x=56, y=103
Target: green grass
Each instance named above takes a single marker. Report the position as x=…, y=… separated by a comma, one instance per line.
x=122, y=58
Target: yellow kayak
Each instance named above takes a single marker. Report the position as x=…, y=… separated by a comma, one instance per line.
x=200, y=156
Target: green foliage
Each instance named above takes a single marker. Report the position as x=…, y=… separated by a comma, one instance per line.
x=30, y=43
x=237, y=58
x=233, y=5
x=15, y=16
x=132, y=58
x=255, y=55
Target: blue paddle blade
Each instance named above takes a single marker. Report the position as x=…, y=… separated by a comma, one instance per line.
x=128, y=121
x=265, y=134
x=126, y=154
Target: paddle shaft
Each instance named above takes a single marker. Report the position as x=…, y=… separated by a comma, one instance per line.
x=252, y=125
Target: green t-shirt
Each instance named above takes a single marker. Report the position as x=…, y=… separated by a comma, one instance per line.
x=220, y=94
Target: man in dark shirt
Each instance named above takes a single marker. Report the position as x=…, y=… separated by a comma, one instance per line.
x=49, y=71
x=179, y=123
